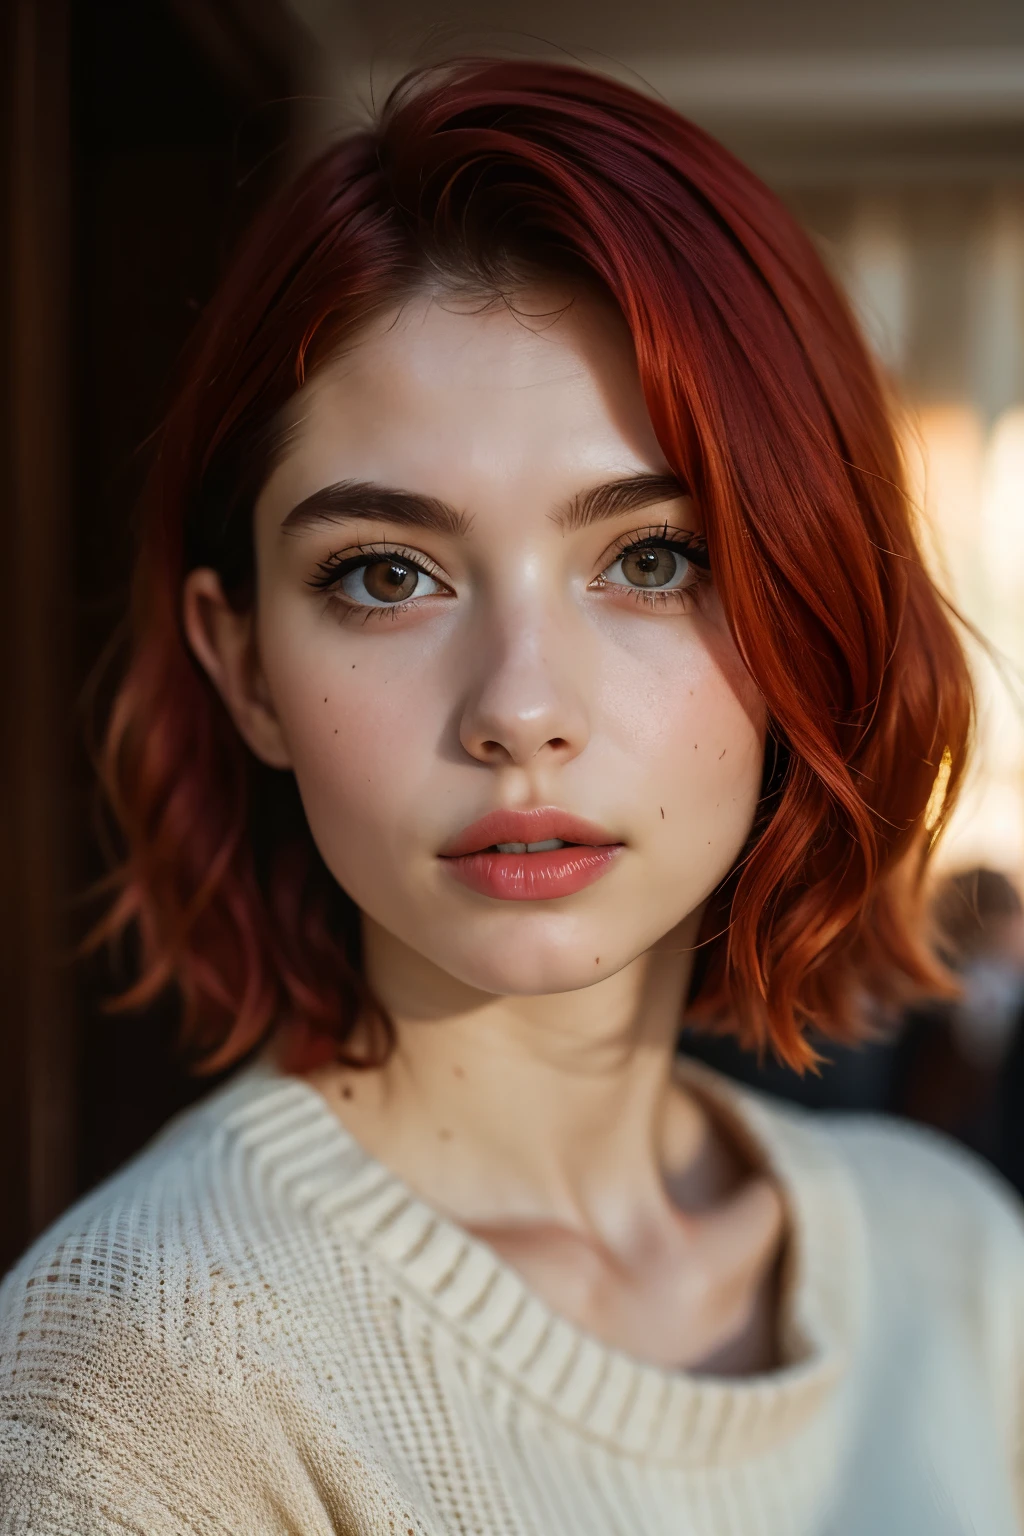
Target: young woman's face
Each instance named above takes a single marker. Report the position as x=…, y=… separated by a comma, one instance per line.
x=483, y=600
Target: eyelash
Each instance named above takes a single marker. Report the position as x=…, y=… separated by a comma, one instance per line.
x=692, y=546
x=331, y=570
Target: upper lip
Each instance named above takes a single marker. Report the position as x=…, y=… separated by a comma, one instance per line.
x=535, y=826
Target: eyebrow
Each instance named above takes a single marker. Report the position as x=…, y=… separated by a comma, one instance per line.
x=365, y=499
x=616, y=497
x=376, y=503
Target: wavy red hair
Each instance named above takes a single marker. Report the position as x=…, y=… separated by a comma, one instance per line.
x=765, y=402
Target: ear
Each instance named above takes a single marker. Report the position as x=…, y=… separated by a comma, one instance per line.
x=224, y=643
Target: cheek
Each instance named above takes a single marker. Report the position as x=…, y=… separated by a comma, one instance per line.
x=693, y=724
x=362, y=734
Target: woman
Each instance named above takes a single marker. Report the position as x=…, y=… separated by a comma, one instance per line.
x=531, y=645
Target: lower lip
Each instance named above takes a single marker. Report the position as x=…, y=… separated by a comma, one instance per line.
x=533, y=876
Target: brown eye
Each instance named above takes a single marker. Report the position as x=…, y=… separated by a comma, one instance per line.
x=651, y=565
x=385, y=581
x=389, y=581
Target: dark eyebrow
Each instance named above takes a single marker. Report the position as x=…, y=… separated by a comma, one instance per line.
x=617, y=497
x=376, y=503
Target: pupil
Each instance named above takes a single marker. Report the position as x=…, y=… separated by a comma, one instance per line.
x=650, y=567
x=390, y=581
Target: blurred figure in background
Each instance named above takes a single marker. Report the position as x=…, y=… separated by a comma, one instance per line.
x=950, y=1053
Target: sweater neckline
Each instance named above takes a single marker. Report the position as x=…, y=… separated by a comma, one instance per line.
x=678, y=1417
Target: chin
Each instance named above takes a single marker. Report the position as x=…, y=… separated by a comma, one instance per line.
x=535, y=968
x=538, y=980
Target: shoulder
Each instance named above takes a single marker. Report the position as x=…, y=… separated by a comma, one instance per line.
x=943, y=1235
x=926, y=1239
x=207, y=1217
x=148, y=1336
x=192, y=1249
x=134, y=1265
x=918, y=1184
x=920, y=1215
x=944, y=1238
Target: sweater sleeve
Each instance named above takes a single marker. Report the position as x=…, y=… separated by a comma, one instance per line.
x=103, y=1430
x=121, y=1413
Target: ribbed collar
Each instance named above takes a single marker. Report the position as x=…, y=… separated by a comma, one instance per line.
x=294, y=1142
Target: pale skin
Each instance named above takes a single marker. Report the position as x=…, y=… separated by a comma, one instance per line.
x=531, y=1096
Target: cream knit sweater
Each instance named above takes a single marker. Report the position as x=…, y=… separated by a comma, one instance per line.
x=254, y=1327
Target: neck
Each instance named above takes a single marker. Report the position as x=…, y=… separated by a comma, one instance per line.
x=510, y=1110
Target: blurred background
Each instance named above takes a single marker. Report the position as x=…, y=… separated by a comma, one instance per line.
x=138, y=138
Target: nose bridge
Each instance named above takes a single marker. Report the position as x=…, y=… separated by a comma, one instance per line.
x=527, y=686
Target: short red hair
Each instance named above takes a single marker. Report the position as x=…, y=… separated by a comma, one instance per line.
x=767, y=405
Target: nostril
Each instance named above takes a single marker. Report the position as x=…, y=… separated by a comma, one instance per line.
x=517, y=748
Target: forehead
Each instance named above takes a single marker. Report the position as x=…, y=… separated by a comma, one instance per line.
x=445, y=395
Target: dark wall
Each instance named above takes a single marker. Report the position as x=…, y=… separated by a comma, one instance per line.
x=36, y=1111
x=169, y=159
x=139, y=139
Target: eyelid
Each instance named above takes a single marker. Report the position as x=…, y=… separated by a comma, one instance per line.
x=692, y=544
x=339, y=562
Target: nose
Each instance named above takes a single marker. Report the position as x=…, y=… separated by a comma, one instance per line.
x=526, y=699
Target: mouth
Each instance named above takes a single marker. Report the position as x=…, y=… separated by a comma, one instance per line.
x=546, y=846
x=539, y=831
x=530, y=855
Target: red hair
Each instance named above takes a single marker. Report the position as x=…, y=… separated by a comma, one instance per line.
x=765, y=403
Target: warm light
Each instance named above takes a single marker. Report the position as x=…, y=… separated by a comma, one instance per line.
x=944, y=448
x=970, y=489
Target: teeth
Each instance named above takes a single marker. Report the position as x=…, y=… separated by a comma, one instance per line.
x=546, y=846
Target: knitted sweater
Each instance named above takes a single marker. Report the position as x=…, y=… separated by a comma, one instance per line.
x=255, y=1328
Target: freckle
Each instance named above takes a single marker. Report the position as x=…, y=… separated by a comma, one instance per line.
x=661, y=808
x=346, y=1092
x=335, y=730
x=458, y=1072
x=445, y=1135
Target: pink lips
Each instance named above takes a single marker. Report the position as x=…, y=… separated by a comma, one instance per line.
x=472, y=859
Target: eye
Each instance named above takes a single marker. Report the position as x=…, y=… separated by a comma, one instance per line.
x=376, y=579
x=382, y=582
x=663, y=567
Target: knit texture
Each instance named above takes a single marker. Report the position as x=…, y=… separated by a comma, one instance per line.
x=256, y=1328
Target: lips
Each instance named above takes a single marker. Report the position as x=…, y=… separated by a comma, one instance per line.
x=538, y=826
x=475, y=858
